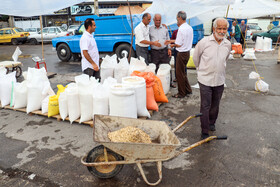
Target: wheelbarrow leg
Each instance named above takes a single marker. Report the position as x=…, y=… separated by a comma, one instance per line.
x=159, y=168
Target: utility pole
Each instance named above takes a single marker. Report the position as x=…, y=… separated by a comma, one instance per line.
x=96, y=10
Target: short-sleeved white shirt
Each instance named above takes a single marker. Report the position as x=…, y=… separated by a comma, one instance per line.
x=141, y=33
x=184, y=38
x=87, y=42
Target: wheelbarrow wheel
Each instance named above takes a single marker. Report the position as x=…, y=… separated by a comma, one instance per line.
x=18, y=71
x=104, y=171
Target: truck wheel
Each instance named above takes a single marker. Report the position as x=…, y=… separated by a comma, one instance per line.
x=64, y=53
x=33, y=41
x=104, y=171
x=14, y=41
x=123, y=51
x=77, y=56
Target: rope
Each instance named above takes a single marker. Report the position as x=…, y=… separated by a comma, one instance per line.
x=245, y=44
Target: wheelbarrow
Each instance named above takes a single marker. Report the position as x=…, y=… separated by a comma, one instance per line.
x=107, y=160
x=12, y=66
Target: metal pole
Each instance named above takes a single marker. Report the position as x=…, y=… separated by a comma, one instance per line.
x=227, y=11
x=43, y=58
x=130, y=50
x=96, y=10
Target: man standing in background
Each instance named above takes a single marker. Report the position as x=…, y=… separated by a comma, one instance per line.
x=89, y=50
x=142, y=39
x=183, y=44
x=210, y=56
x=243, y=28
x=160, y=55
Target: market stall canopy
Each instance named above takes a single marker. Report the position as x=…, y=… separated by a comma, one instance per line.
x=27, y=8
x=206, y=10
x=123, y=10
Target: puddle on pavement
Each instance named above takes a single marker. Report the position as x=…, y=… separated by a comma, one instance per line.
x=9, y=57
x=42, y=122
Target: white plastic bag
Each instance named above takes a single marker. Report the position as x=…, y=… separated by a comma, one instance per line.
x=261, y=86
x=16, y=54
x=254, y=75
x=121, y=69
x=249, y=54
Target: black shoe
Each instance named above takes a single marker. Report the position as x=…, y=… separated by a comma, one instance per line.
x=204, y=136
x=212, y=127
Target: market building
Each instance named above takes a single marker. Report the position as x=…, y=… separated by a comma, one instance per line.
x=67, y=15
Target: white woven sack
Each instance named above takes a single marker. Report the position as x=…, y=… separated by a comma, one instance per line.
x=151, y=68
x=139, y=85
x=107, y=67
x=164, y=75
x=137, y=65
x=45, y=105
x=122, y=101
x=121, y=69
x=3, y=71
x=34, y=98
x=85, y=103
x=20, y=93
x=63, y=105
x=73, y=102
x=100, y=99
x=6, y=87
x=249, y=54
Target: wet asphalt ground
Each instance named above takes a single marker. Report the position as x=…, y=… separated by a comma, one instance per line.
x=41, y=151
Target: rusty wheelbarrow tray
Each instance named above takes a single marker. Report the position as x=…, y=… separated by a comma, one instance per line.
x=107, y=160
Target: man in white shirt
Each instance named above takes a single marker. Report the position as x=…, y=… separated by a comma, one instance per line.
x=183, y=44
x=142, y=39
x=210, y=56
x=89, y=50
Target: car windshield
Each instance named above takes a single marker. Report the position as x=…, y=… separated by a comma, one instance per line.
x=256, y=27
x=19, y=30
x=62, y=28
x=73, y=26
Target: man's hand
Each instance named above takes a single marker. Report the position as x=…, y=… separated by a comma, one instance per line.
x=156, y=43
x=167, y=42
x=95, y=67
x=169, y=52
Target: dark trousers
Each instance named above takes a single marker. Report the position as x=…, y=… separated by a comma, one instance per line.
x=160, y=56
x=184, y=87
x=175, y=56
x=242, y=39
x=143, y=52
x=92, y=73
x=210, y=100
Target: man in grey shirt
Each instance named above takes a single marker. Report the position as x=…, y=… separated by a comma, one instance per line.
x=158, y=32
x=210, y=56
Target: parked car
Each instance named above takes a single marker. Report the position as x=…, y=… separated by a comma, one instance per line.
x=49, y=33
x=32, y=30
x=112, y=34
x=13, y=35
x=273, y=34
x=72, y=28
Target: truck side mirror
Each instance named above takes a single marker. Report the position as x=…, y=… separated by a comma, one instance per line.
x=76, y=32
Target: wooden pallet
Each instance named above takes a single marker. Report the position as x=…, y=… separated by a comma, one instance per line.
x=58, y=117
x=39, y=112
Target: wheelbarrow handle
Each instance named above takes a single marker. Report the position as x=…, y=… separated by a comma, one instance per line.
x=185, y=121
x=202, y=142
x=159, y=168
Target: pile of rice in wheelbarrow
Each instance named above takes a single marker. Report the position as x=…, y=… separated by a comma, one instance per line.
x=129, y=134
